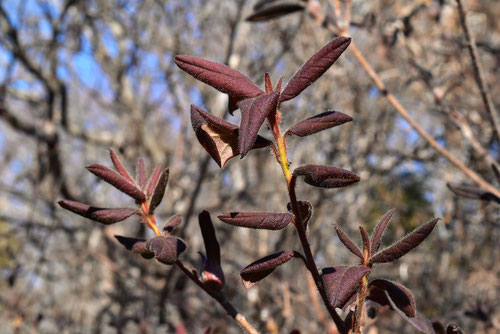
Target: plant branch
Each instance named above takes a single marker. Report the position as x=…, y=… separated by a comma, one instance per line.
x=478, y=70
x=221, y=299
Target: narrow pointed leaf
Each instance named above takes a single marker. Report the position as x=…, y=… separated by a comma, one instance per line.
x=166, y=249
x=405, y=245
x=314, y=68
x=305, y=209
x=366, y=240
x=268, y=83
x=278, y=85
x=153, y=180
x=378, y=231
x=400, y=295
x=326, y=176
x=140, y=173
x=274, y=11
x=341, y=282
x=260, y=269
x=211, y=273
x=135, y=245
x=101, y=215
x=159, y=191
x=118, y=181
x=473, y=192
x=318, y=123
x=119, y=167
x=171, y=224
x=347, y=241
x=221, y=77
x=253, y=113
x=258, y=220
x=218, y=137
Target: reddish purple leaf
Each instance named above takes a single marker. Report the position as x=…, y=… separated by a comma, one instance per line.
x=171, y=224
x=318, y=123
x=347, y=241
x=400, y=296
x=257, y=220
x=274, y=11
x=260, y=269
x=101, y=215
x=219, y=76
x=378, y=231
x=341, y=282
x=314, y=68
x=268, y=83
x=119, y=167
x=472, y=192
x=159, y=191
x=218, y=137
x=211, y=273
x=253, y=113
x=405, y=245
x=118, y=181
x=365, y=238
x=135, y=245
x=153, y=180
x=305, y=209
x=326, y=176
x=140, y=173
x=166, y=249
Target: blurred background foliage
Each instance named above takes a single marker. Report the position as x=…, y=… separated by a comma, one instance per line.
x=78, y=77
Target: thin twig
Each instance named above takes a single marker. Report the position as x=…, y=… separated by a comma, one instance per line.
x=478, y=71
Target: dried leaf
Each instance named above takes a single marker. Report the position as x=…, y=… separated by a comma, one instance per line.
x=119, y=167
x=314, y=68
x=405, y=245
x=135, y=245
x=253, y=113
x=259, y=269
x=211, y=273
x=400, y=296
x=118, y=181
x=378, y=231
x=219, y=76
x=341, y=282
x=274, y=11
x=171, y=224
x=218, y=137
x=305, y=209
x=347, y=241
x=159, y=191
x=101, y=215
x=166, y=249
x=326, y=176
x=140, y=173
x=318, y=123
x=258, y=220
x=153, y=180
x=473, y=192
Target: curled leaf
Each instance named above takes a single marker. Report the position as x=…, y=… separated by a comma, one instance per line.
x=171, y=224
x=405, y=245
x=378, y=231
x=219, y=76
x=257, y=220
x=326, y=176
x=119, y=167
x=118, y=181
x=101, y=215
x=305, y=209
x=347, y=241
x=211, y=272
x=318, y=123
x=218, y=137
x=400, y=295
x=260, y=269
x=159, y=191
x=314, y=68
x=135, y=245
x=253, y=113
x=166, y=249
x=341, y=282
x=274, y=11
